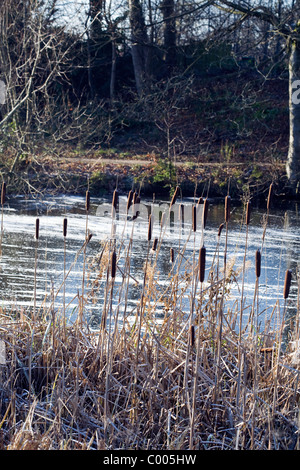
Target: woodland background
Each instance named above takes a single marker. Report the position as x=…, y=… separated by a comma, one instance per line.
x=159, y=82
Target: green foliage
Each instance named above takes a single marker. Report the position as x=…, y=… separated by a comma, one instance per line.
x=165, y=174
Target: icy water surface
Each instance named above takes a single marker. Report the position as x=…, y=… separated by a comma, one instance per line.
x=281, y=250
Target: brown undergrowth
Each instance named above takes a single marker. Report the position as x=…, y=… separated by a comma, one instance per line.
x=192, y=379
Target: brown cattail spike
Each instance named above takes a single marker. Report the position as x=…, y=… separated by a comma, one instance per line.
x=257, y=263
x=113, y=264
x=129, y=200
x=175, y=196
x=194, y=219
x=220, y=230
x=87, y=201
x=181, y=212
x=37, y=228
x=150, y=228
x=248, y=213
x=269, y=196
x=65, y=224
x=115, y=199
x=154, y=245
x=287, y=283
x=3, y=192
x=205, y=212
x=227, y=208
x=202, y=255
x=192, y=335
x=172, y=255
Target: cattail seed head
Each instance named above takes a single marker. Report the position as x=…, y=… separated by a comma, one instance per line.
x=175, y=196
x=113, y=264
x=269, y=196
x=154, y=245
x=220, y=230
x=87, y=201
x=150, y=228
x=257, y=263
x=192, y=335
x=114, y=203
x=129, y=200
x=65, y=224
x=3, y=192
x=205, y=212
x=181, y=212
x=37, y=228
x=115, y=199
x=287, y=283
x=194, y=219
x=248, y=213
x=202, y=255
x=172, y=255
x=227, y=208
x=88, y=238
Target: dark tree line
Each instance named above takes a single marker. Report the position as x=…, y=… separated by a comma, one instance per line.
x=133, y=61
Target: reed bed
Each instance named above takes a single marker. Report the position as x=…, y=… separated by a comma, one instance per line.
x=197, y=378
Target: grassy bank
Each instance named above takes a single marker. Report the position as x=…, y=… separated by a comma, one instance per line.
x=202, y=378
x=70, y=173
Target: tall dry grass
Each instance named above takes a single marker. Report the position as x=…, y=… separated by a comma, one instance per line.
x=200, y=378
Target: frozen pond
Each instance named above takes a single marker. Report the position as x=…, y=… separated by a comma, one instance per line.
x=281, y=249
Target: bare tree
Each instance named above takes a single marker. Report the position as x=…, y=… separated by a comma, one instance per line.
x=284, y=23
x=139, y=44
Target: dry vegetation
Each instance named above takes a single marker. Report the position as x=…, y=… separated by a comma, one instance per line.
x=197, y=379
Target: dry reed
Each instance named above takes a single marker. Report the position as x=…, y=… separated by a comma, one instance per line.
x=167, y=384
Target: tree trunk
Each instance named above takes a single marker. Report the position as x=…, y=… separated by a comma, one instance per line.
x=293, y=161
x=138, y=44
x=168, y=9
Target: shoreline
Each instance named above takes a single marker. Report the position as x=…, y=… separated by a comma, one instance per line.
x=74, y=175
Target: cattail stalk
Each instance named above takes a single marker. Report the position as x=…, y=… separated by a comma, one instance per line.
x=286, y=292
x=202, y=255
x=257, y=274
x=87, y=208
x=3, y=193
x=205, y=212
x=220, y=326
x=247, y=221
x=175, y=196
x=37, y=233
x=65, y=225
